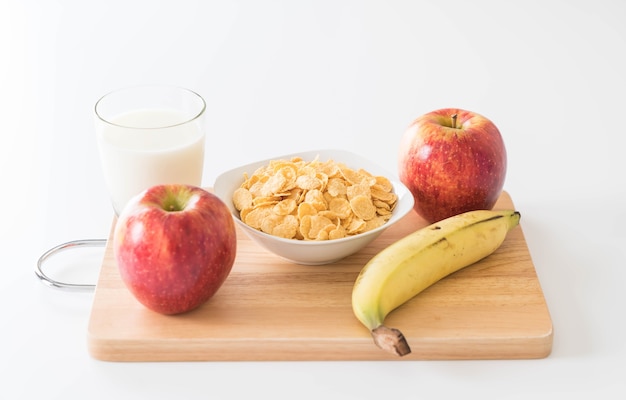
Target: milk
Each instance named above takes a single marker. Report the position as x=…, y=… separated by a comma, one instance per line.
x=143, y=148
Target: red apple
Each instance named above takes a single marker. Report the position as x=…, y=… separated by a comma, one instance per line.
x=452, y=161
x=175, y=246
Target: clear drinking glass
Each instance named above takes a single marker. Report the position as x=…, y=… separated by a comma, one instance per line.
x=147, y=135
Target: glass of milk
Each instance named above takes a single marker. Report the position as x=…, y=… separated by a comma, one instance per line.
x=149, y=135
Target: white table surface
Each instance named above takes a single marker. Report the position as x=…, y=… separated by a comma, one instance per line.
x=283, y=76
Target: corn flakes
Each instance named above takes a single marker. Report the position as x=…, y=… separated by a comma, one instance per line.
x=314, y=200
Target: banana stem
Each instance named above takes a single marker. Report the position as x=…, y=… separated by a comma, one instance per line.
x=391, y=340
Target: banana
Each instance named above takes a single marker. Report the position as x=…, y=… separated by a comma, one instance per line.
x=415, y=262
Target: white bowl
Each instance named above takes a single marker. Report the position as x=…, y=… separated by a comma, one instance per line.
x=310, y=252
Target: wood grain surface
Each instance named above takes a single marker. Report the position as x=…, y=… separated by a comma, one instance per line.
x=270, y=309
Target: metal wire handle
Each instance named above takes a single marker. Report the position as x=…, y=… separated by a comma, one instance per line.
x=72, y=287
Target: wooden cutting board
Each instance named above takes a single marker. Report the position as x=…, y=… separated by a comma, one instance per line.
x=270, y=309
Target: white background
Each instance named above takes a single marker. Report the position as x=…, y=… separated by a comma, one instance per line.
x=283, y=76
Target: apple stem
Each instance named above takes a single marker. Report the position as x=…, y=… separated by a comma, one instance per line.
x=454, y=120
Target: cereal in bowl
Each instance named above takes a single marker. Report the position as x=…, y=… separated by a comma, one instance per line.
x=313, y=200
